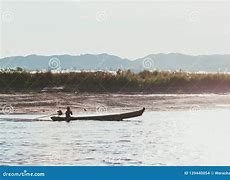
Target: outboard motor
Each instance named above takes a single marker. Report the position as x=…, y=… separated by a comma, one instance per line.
x=59, y=112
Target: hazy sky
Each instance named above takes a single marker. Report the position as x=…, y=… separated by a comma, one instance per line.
x=127, y=29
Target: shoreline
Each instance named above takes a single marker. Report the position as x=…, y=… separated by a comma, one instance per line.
x=46, y=103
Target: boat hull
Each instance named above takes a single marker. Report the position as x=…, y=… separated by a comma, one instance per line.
x=112, y=117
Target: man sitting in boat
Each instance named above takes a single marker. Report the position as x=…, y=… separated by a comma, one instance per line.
x=68, y=112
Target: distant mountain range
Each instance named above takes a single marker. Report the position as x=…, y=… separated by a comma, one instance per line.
x=89, y=62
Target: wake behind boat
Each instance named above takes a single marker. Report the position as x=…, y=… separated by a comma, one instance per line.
x=111, y=117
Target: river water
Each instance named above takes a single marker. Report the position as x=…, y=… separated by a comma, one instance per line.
x=188, y=137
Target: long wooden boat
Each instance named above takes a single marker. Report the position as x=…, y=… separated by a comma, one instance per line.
x=111, y=117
